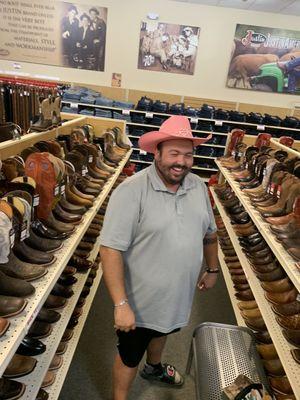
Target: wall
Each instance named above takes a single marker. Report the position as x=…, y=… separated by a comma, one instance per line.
x=217, y=32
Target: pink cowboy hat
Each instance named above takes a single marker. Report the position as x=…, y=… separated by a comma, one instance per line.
x=175, y=127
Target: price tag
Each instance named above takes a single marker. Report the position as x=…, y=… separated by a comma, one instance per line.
x=126, y=112
x=260, y=127
x=194, y=120
x=272, y=188
x=149, y=115
x=56, y=190
x=36, y=200
x=90, y=158
x=218, y=123
x=73, y=105
x=84, y=171
x=143, y=152
x=279, y=190
x=32, y=318
x=246, y=165
x=12, y=237
x=23, y=235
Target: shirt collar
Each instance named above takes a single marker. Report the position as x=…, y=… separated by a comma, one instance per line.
x=158, y=185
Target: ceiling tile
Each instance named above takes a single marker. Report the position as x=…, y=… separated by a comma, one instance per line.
x=270, y=5
x=290, y=7
x=236, y=3
x=293, y=9
x=206, y=2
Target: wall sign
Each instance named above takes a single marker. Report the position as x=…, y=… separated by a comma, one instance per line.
x=53, y=33
x=266, y=59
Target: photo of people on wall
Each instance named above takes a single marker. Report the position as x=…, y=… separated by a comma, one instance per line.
x=168, y=47
x=83, y=35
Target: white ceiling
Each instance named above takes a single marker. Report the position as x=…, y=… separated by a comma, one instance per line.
x=291, y=7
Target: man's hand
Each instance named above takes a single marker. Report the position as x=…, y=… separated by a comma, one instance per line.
x=124, y=318
x=207, y=281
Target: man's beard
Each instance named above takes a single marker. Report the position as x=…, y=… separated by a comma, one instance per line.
x=166, y=173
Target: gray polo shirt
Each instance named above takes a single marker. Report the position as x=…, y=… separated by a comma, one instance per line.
x=160, y=235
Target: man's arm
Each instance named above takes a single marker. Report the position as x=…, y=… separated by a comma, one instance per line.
x=113, y=273
x=210, y=250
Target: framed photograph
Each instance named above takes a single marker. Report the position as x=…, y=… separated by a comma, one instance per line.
x=167, y=47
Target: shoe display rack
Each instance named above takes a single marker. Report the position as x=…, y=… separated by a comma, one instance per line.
x=294, y=151
x=283, y=348
x=34, y=380
x=54, y=390
x=283, y=257
x=230, y=288
x=140, y=157
x=20, y=324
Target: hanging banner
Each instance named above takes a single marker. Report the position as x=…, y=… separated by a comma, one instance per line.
x=53, y=33
x=168, y=47
x=266, y=59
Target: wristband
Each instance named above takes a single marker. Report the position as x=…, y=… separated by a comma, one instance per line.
x=125, y=301
x=212, y=271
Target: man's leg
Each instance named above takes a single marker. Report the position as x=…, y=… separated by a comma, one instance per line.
x=123, y=377
x=154, y=370
x=291, y=82
x=290, y=65
x=155, y=349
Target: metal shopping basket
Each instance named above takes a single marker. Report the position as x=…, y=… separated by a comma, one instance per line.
x=221, y=353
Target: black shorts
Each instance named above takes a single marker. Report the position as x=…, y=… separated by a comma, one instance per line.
x=133, y=344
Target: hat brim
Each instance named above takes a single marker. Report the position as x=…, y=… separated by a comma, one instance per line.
x=149, y=141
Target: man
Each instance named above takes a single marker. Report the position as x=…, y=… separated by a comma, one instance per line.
x=292, y=69
x=99, y=28
x=157, y=226
x=69, y=28
x=84, y=40
x=192, y=46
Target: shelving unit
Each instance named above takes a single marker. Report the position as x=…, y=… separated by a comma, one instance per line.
x=21, y=323
x=149, y=116
x=195, y=155
x=230, y=288
x=54, y=390
x=283, y=257
x=34, y=380
x=294, y=151
x=292, y=369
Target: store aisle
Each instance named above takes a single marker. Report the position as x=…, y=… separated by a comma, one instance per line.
x=89, y=377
